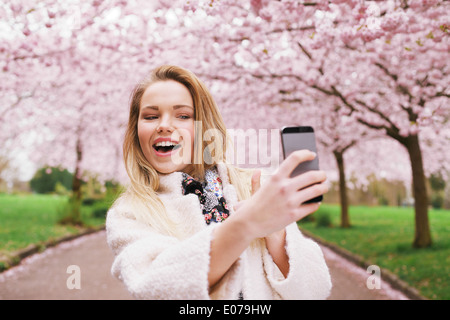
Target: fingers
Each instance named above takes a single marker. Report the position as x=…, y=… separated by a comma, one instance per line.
x=256, y=181
x=311, y=192
x=291, y=162
x=306, y=209
x=308, y=178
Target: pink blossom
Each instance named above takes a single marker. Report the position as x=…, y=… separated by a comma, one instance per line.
x=70, y=70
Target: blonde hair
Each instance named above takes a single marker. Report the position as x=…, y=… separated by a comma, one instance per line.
x=141, y=197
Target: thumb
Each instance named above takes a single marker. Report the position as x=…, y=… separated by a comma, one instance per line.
x=256, y=181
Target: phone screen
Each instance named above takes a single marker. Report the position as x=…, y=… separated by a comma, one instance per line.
x=299, y=138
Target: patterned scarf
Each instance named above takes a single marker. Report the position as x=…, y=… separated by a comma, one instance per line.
x=212, y=202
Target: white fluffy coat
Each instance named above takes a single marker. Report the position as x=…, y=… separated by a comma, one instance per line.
x=157, y=266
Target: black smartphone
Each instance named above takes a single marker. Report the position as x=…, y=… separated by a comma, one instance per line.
x=299, y=138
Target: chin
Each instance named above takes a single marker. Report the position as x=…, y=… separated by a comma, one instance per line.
x=165, y=169
x=169, y=168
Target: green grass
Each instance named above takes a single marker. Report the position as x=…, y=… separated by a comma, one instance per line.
x=381, y=235
x=384, y=236
x=32, y=219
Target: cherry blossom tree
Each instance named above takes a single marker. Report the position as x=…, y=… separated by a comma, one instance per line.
x=354, y=69
x=383, y=61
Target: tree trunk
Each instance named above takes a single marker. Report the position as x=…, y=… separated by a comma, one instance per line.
x=76, y=187
x=422, y=237
x=345, y=218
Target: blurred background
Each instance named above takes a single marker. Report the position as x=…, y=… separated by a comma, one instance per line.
x=371, y=77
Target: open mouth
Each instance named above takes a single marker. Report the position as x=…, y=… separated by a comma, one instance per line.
x=166, y=146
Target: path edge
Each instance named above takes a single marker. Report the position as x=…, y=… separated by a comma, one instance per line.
x=16, y=257
x=387, y=275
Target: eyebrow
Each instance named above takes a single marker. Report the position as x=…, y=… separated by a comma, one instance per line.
x=175, y=107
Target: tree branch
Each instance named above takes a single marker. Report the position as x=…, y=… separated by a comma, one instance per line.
x=305, y=51
x=401, y=88
x=378, y=112
x=16, y=103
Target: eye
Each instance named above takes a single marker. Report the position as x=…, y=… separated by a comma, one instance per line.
x=185, y=117
x=150, y=117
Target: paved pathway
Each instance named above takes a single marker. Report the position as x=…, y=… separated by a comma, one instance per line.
x=45, y=276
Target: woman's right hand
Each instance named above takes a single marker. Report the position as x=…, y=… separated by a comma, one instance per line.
x=279, y=202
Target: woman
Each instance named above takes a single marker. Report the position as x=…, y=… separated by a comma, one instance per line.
x=192, y=226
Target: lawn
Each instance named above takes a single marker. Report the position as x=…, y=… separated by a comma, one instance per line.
x=381, y=235
x=384, y=236
x=32, y=219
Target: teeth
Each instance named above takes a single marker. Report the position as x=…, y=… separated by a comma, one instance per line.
x=165, y=144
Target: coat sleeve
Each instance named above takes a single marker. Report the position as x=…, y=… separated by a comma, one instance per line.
x=308, y=277
x=156, y=266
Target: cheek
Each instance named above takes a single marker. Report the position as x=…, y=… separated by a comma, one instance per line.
x=190, y=137
x=144, y=133
x=186, y=131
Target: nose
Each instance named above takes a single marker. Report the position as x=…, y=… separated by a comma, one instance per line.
x=165, y=125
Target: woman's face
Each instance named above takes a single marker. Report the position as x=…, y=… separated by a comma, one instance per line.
x=166, y=126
